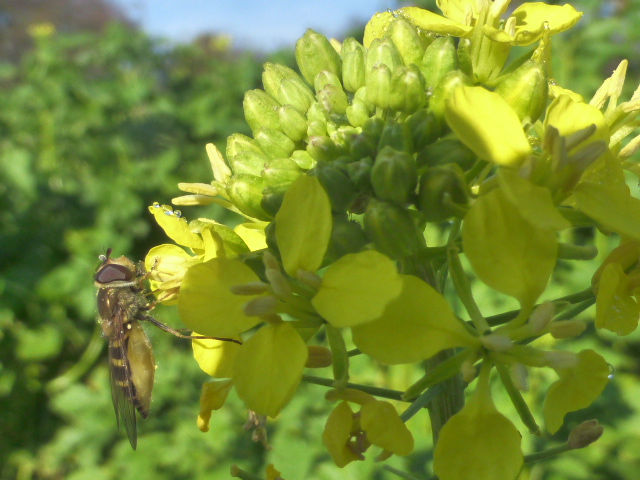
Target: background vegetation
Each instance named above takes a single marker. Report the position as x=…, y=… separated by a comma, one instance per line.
x=96, y=126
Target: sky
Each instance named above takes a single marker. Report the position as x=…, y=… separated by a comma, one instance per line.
x=263, y=25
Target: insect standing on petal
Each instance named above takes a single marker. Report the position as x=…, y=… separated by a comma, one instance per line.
x=122, y=304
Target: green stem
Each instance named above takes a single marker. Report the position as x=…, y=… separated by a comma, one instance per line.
x=340, y=362
x=463, y=287
x=399, y=473
x=516, y=398
x=375, y=391
x=421, y=402
x=551, y=452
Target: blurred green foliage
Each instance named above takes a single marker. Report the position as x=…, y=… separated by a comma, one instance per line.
x=95, y=127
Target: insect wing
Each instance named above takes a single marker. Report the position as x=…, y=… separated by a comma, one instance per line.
x=142, y=367
x=122, y=389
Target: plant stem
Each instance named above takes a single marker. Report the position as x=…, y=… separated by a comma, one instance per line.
x=375, y=391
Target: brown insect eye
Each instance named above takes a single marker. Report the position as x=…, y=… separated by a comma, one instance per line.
x=113, y=273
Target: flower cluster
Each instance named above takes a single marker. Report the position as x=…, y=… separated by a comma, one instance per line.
x=423, y=125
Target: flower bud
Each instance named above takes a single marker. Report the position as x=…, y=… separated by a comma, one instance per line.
x=261, y=110
x=325, y=78
x=346, y=237
x=397, y=136
x=360, y=173
x=526, y=90
x=353, y=66
x=250, y=163
x=443, y=90
x=585, y=434
x=314, y=53
x=567, y=328
x=339, y=187
x=394, y=176
x=407, y=40
x=382, y=52
x=439, y=188
x=272, y=198
x=423, y=127
x=239, y=143
x=358, y=112
x=445, y=152
x=363, y=146
x=281, y=171
x=273, y=75
x=439, y=59
x=391, y=229
x=274, y=143
x=293, y=123
x=245, y=191
x=333, y=99
x=408, y=92
x=316, y=128
x=378, y=85
x=303, y=159
x=322, y=149
x=293, y=91
x=319, y=357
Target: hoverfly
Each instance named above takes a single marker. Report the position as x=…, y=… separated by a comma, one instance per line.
x=122, y=304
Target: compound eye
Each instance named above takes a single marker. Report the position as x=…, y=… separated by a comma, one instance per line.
x=114, y=273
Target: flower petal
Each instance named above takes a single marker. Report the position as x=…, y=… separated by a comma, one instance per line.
x=356, y=288
x=268, y=368
x=215, y=357
x=337, y=433
x=415, y=325
x=577, y=388
x=384, y=428
x=206, y=304
x=486, y=124
x=616, y=309
x=303, y=225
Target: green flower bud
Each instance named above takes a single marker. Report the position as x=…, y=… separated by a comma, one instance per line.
x=360, y=174
x=239, y=143
x=245, y=191
x=408, y=92
x=322, y=149
x=325, y=78
x=394, y=176
x=440, y=187
x=293, y=123
x=293, y=91
x=333, y=99
x=346, y=237
x=378, y=85
x=439, y=59
x=303, y=159
x=314, y=53
x=397, y=136
x=281, y=171
x=316, y=129
x=407, y=40
x=465, y=62
x=373, y=129
x=362, y=145
x=274, y=143
x=271, y=202
x=250, y=163
x=343, y=136
x=261, y=110
x=424, y=128
x=391, y=229
x=443, y=90
x=358, y=113
x=273, y=75
x=382, y=52
x=316, y=113
x=337, y=184
x=526, y=89
x=353, y=66
x=444, y=152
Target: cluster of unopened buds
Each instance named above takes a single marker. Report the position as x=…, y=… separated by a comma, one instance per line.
x=368, y=177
